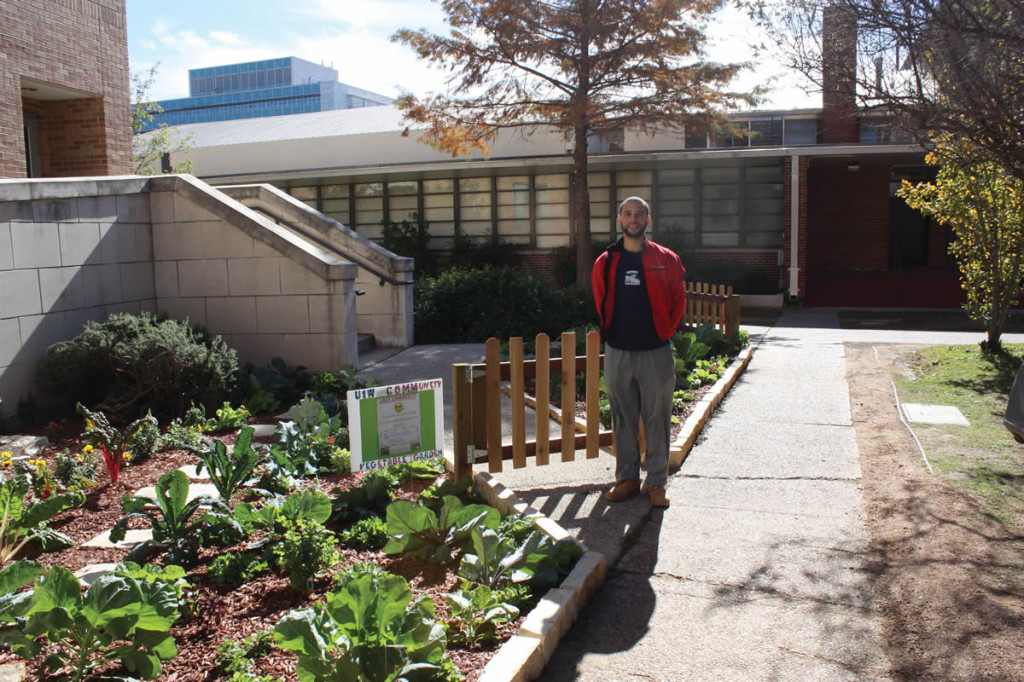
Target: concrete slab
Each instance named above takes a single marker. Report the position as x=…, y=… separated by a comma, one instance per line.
x=91, y=572
x=131, y=538
x=763, y=449
x=195, y=490
x=796, y=401
x=666, y=629
x=934, y=414
x=190, y=471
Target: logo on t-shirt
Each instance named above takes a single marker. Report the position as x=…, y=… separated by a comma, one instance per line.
x=632, y=278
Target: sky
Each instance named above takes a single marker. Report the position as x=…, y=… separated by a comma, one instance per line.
x=353, y=36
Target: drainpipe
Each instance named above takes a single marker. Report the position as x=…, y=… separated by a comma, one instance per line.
x=794, y=227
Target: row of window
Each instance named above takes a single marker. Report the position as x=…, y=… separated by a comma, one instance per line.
x=737, y=206
x=248, y=96
x=227, y=112
x=205, y=85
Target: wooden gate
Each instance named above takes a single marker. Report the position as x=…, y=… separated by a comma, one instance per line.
x=477, y=391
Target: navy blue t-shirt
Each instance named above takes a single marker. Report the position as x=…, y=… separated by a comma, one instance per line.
x=632, y=326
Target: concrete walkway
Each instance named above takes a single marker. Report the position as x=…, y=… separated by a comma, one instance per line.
x=758, y=569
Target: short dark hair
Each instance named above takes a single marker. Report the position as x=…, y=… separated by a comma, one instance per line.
x=636, y=199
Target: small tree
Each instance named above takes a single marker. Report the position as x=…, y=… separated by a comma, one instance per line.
x=583, y=67
x=151, y=147
x=984, y=205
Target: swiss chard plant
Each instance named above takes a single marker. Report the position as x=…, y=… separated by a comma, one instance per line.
x=229, y=471
x=370, y=630
x=116, y=445
x=21, y=522
x=119, y=619
x=176, y=521
x=417, y=531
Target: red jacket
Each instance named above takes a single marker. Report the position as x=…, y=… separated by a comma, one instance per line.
x=666, y=286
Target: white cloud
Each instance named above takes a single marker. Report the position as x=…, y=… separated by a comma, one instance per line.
x=148, y=44
x=227, y=38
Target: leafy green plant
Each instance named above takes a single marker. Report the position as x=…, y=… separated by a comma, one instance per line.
x=13, y=577
x=119, y=618
x=433, y=497
x=546, y=567
x=330, y=389
x=277, y=511
x=257, y=396
x=493, y=559
x=370, y=630
x=228, y=418
x=283, y=381
x=175, y=522
x=341, y=461
x=306, y=549
x=368, y=533
x=417, y=531
x=39, y=476
x=476, y=612
x=237, y=658
x=229, y=472
x=76, y=471
x=21, y=522
x=116, y=445
x=370, y=498
x=236, y=568
x=133, y=364
x=180, y=435
x=307, y=444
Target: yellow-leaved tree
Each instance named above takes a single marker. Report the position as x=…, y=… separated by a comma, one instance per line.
x=983, y=203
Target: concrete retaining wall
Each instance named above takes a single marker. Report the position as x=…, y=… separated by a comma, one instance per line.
x=78, y=250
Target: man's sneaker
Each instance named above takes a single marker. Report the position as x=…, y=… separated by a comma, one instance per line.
x=623, y=490
x=657, y=495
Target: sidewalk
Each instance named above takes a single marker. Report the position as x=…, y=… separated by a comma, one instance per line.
x=757, y=570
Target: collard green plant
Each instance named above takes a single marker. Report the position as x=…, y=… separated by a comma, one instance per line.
x=176, y=521
x=370, y=498
x=475, y=612
x=119, y=618
x=21, y=522
x=229, y=471
x=277, y=511
x=417, y=531
x=370, y=630
x=433, y=497
x=13, y=577
x=548, y=565
x=492, y=559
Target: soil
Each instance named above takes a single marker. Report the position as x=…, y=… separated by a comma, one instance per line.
x=218, y=612
x=949, y=580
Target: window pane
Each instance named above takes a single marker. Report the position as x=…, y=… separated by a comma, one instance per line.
x=474, y=184
x=551, y=181
x=303, y=192
x=438, y=186
x=334, y=191
x=598, y=180
x=475, y=213
x=519, y=182
x=403, y=187
x=634, y=177
x=371, y=189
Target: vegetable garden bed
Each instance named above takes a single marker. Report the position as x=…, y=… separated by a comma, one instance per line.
x=223, y=630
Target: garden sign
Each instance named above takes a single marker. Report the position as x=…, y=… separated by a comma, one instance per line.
x=393, y=424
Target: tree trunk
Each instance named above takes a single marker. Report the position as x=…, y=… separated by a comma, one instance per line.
x=581, y=206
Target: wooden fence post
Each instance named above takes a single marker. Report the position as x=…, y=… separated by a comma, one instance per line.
x=492, y=350
x=593, y=393
x=732, y=314
x=568, y=396
x=463, y=423
x=543, y=384
x=515, y=356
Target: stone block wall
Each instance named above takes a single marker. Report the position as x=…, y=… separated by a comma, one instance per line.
x=78, y=250
x=70, y=251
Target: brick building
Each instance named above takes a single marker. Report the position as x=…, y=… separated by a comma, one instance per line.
x=64, y=89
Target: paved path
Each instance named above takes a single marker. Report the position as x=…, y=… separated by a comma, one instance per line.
x=757, y=571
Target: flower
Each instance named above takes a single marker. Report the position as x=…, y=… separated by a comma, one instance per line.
x=87, y=449
x=5, y=455
x=330, y=438
x=127, y=456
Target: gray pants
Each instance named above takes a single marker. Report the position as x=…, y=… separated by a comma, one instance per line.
x=640, y=384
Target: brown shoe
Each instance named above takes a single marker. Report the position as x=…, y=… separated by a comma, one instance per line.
x=657, y=495
x=623, y=490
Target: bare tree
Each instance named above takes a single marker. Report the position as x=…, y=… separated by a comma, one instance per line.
x=952, y=66
x=582, y=66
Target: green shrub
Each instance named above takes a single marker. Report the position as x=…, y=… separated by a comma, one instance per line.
x=411, y=238
x=468, y=306
x=476, y=253
x=133, y=364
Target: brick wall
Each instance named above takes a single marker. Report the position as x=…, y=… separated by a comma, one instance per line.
x=839, y=121
x=848, y=216
x=77, y=44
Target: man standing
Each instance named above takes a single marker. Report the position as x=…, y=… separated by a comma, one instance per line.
x=640, y=292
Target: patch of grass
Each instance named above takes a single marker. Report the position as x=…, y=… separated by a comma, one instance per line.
x=983, y=458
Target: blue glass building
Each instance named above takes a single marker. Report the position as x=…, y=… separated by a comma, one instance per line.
x=271, y=87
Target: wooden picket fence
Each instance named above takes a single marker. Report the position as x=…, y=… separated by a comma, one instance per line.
x=477, y=389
